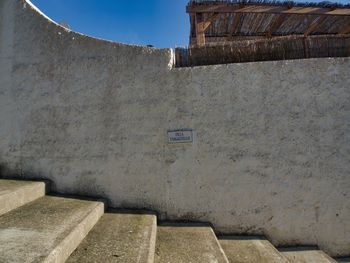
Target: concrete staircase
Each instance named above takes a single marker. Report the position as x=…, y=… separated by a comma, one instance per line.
x=35, y=227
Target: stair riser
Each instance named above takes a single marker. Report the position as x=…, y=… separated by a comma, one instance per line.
x=152, y=244
x=250, y=249
x=220, y=247
x=306, y=255
x=119, y=237
x=62, y=252
x=188, y=243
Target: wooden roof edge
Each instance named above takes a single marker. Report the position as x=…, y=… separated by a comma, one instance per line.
x=324, y=4
x=272, y=7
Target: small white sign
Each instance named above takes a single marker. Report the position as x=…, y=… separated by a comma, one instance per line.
x=180, y=136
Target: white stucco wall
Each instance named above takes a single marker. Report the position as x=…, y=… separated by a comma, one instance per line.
x=271, y=153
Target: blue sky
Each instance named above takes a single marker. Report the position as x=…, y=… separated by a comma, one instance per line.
x=162, y=23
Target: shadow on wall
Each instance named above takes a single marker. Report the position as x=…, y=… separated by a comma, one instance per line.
x=18, y=174
x=6, y=172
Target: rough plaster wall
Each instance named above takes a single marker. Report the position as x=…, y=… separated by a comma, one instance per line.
x=272, y=139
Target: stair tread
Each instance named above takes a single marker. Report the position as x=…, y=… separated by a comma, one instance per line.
x=15, y=193
x=240, y=249
x=179, y=243
x=119, y=238
x=48, y=229
x=306, y=255
x=8, y=186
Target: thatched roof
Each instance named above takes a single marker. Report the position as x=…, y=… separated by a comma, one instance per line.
x=215, y=22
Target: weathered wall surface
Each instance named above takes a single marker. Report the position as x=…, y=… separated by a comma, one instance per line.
x=272, y=139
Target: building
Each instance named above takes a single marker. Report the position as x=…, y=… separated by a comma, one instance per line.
x=246, y=31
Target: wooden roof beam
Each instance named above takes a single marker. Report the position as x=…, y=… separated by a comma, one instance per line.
x=193, y=24
x=200, y=31
x=269, y=9
x=314, y=25
x=276, y=25
x=345, y=30
x=202, y=25
x=235, y=24
x=210, y=20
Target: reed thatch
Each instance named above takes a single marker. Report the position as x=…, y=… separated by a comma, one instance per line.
x=268, y=49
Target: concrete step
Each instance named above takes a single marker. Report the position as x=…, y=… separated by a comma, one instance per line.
x=188, y=243
x=241, y=249
x=46, y=230
x=121, y=237
x=14, y=194
x=306, y=255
